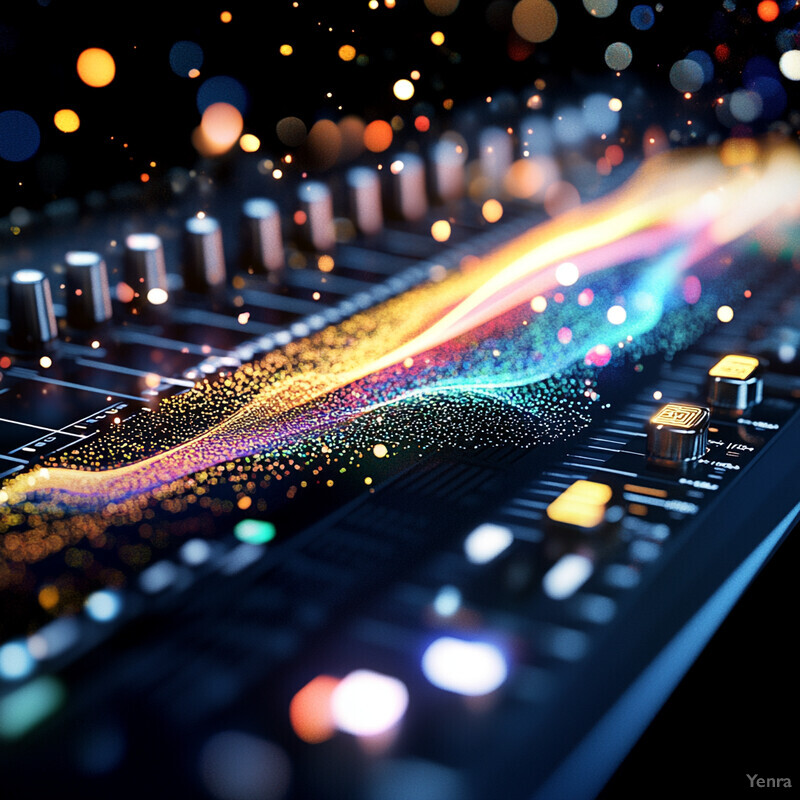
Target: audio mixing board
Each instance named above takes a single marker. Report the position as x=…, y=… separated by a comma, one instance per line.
x=426, y=472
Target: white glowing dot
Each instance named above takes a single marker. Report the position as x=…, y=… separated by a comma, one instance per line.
x=539, y=304
x=15, y=661
x=566, y=576
x=789, y=64
x=367, y=703
x=616, y=315
x=157, y=296
x=567, y=273
x=486, y=542
x=615, y=104
x=657, y=395
x=45, y=362
x=468, y=668
x=724, y=313
x=403, y=89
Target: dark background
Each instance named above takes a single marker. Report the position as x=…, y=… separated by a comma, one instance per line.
x=735, y=711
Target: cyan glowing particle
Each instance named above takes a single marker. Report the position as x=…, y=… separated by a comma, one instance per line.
x=254, y=531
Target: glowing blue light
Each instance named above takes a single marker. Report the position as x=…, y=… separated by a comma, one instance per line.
x=447, y=601
x=185, y=57
x=15, y=661
x=598, y=118
x=469, y=668
x=19, y=136
x=103, y=606
x=642, y=18
x=222, y=89
x=26, y=707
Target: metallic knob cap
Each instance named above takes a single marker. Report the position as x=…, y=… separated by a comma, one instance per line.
x=30, y=310
x=88, y=295
x=734, y=384
x=262, y=241
x=145, y=268
x=365, y=199
x=408, y=177
x=677, y=433
x=448, y=158
x=496, y=154
x=203, y=256
x=317, y=204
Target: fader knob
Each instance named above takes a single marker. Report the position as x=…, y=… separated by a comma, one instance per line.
x=203, y=256
x=735, y=384
x=496, y=155
x=448, y=158
x=408, y=177
x=677, y=433
x=262, y=242
x=365, y=199
x=88, y=296
x=317, y=205
x=30, y=310
x=145, y=268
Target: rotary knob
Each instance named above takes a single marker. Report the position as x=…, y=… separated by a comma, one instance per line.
x=203, y=255
x=145, y=267
x=677, y=434
x=735, y=383
x=261, y=235
x=30, y=310
x=408, y=177
x=365, y=199
x=317, y=205
x=88, y=295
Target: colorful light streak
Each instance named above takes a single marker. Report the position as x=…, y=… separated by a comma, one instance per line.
x=446, y=349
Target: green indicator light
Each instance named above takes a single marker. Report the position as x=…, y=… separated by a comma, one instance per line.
x=254, y=531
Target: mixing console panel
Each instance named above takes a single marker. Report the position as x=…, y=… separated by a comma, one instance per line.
x=421, y=475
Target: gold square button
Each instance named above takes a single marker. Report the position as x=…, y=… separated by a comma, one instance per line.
x=739, y=368
x=677, y=415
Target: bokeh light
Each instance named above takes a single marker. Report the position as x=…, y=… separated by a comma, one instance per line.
x=66, y=120
x=789, y=64
x=347, y=52
x=220, y=128
x=222, y=89
x=310, y=710
x=492, y=210
x=768, y=10
x=186, y=58
x=96, y=67
x=534, y=20
x=642, y=17
x=367, y=703
x=686, y=75
x=249, y=143
x=325, y=143
x=378, y=136
x=19, y=135
x=618, y=56
x=470, y=668
x=440, y=230
x=437, y=37
x=291, y=131
x=600, y=8
x=403, y=89
x=442, y=8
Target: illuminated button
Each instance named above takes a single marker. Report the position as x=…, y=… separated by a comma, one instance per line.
x=583, y=505
x=677, y=433
x=735, y=383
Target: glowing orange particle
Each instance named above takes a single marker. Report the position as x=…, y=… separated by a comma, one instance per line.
x=310, y=710
x=226, y=16
x=378, y=136
x=66, y=120
x=422, y=123
x=768, y=10
x=721, y=52
x=96, y=67
x=144, y=177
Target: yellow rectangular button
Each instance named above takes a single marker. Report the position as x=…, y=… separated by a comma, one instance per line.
x=676, y=415
x=733, y=366
x=582, y=504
